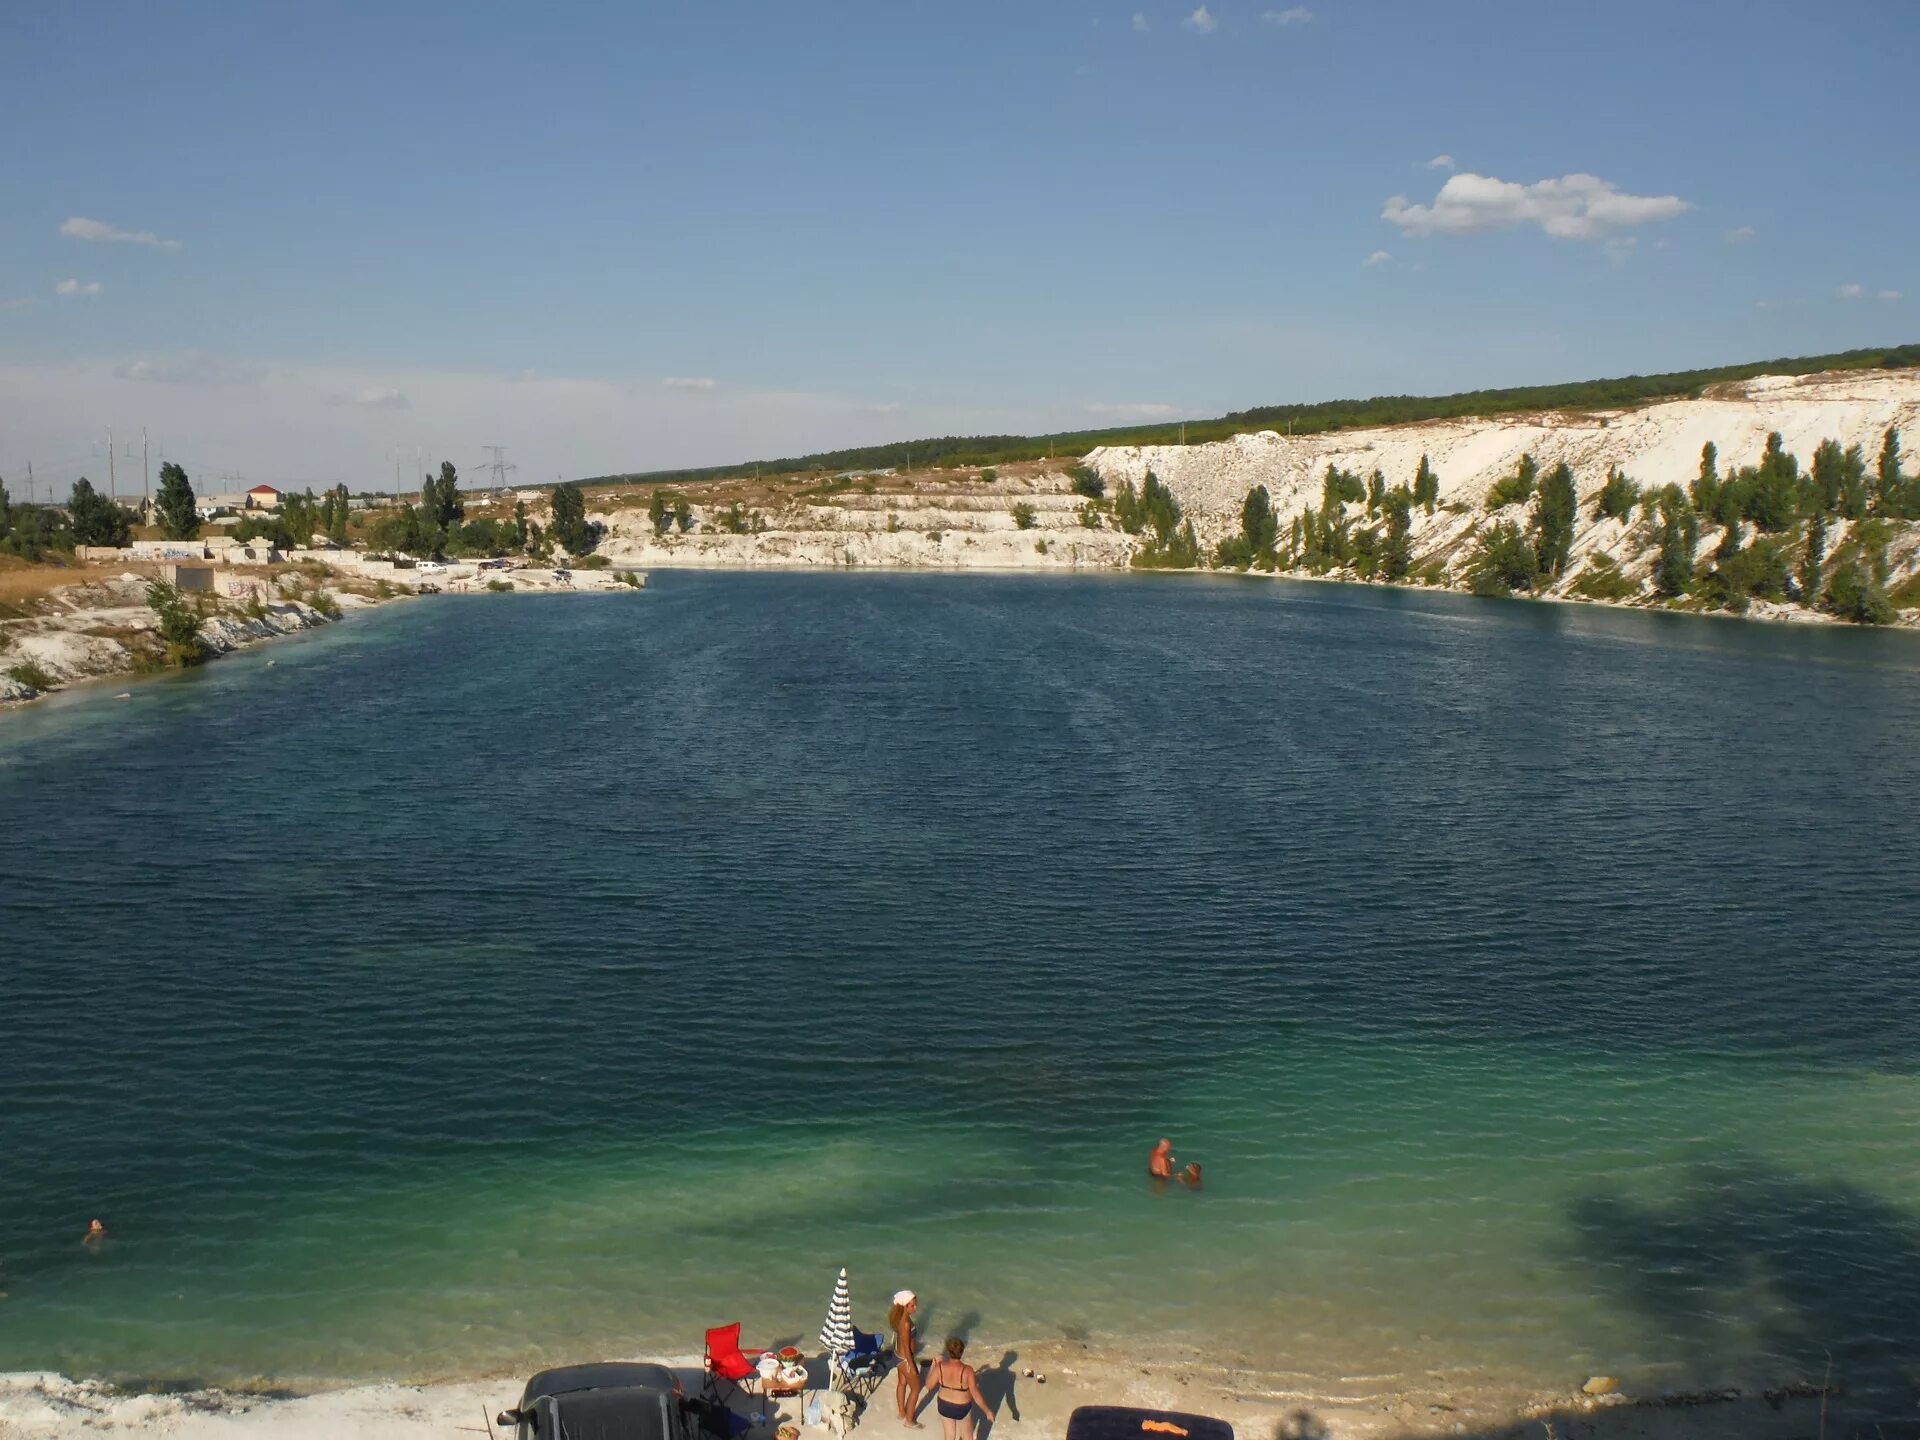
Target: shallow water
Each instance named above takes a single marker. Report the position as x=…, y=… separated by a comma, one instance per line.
x=517, y=979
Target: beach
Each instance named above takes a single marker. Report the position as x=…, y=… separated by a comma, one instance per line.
x=1260, y=1406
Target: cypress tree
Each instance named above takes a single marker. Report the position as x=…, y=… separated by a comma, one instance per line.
x=1812, y=563
x=1553, y=520
x=174, y=506
x=1426, y=486
x=1890, y=497
x=1706, y=485
x=1397, y=557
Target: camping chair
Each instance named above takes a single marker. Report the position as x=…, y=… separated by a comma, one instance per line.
x=860, y=1370
x=726, y=1363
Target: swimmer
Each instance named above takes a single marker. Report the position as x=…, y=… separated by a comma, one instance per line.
x=1161, y=1162
x=1190, y=1177
x=96, y=1232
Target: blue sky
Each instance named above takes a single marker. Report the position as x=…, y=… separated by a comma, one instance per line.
x=297, y=240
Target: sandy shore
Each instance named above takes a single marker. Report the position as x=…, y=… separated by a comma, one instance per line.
x=1268, y=1406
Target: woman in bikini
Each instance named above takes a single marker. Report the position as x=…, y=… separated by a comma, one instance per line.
x=957, y=1392
x=906, y=1385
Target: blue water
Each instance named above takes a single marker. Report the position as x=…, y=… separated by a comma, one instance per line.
x=492, y=981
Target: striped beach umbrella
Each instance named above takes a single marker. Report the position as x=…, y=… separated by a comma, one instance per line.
x=836, y=1332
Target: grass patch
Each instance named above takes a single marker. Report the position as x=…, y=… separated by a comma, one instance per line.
x=29, y=674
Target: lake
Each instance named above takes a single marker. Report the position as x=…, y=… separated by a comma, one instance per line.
x=493, y=981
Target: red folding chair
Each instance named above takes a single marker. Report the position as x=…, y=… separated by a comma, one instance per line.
x=726, y=1363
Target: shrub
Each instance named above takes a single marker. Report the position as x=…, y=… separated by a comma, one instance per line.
x=31, y=675
x=1516, y=488
x=592, y=562
x=1504, y=563
x=179, y=623
x=1853, y=594
x=1087, y=482
x=499, y=587
x=1040, y=545
x=324, y=602
x=1618, y=496
x=1602, y=580
x=1090, y=516
x=1023, y=515
x=989, y=475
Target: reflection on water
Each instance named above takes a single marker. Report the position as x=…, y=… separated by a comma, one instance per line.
x=499, y=982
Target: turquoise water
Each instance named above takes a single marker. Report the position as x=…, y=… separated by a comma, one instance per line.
x=522, y=979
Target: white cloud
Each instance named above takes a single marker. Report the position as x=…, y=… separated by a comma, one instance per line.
x=1440, y=162
x=1849, y=292
x=1201, y=21
x=76, y=287
x=1766, y=304
x=1738, y=235
x=78, y=227
x=1292, y=15
x=1140, y=23
x=1573, y=207
x=192, y=367
x=689, y=382
x=1145, y=408
x=17, y=303
x=1378, y=257
x=381, y=397
x=1889, y=295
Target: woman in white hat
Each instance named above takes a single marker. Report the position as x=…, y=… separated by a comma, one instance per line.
x=906, y=1386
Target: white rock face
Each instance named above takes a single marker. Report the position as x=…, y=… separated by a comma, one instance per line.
x=1656, y=445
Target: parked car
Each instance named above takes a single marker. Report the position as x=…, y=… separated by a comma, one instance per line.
x=495, y=564
x=615, y=1401
x=429, y=567
x=565, y=577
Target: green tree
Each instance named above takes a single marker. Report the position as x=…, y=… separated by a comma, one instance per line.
x=1376, y=492
x=659, y=513
x=1679, y=534
x=1517, y=488
x=96, y=520
x=440, y=503
x=1814, y=559
x=1827, y=485
x=6, y=512
x=1396, y=555
x=1706, y=485
x=1258, y=522
x=1890, y=489
x=682, y=516
x=571, y=527
x=1618, y=496
x=520, y=525
x=1023, y=515
x=1504, y=563
x=1772, y=501
x=1426, y=486
x=301, y=517
x=173, y=507
x=178, y=623
x=1855, y=595
x=1338, y=488
x=1553, y=520
x=1087, y=482
x=1856, y=494
x=338, y=515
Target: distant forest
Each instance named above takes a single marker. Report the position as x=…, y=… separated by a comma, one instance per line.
x=1325, y=416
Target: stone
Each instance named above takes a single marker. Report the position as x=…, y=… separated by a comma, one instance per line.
x=1600, y=1385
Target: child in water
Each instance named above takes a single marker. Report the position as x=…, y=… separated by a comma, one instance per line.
x=1190, y=1177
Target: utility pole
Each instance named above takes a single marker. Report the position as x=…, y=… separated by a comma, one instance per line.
x=146, y=480
x=30, y=482
x=499, y=466
x=113, y=485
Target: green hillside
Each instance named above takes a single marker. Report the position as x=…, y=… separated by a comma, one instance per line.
x=957, y=450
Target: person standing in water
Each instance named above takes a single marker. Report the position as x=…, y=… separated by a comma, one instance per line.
x=1161, y=1162
x=958, y=1391
x=906, y=1385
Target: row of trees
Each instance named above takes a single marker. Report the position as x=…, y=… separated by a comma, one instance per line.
x=1153, y=511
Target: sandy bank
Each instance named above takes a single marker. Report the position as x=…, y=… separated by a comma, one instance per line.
x=1265, y=1405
